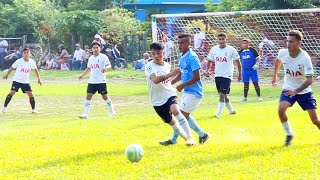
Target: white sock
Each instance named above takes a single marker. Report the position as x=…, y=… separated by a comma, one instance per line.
x=109, y=104
x=178, y=129
x=87, y=105
x=184, y=124
x=287, y=128
x=229, y=106
x=220, y=108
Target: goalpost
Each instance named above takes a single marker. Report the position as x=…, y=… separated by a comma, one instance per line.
x=255, y=25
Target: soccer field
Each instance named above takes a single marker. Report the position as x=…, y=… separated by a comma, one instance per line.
x=56, y=144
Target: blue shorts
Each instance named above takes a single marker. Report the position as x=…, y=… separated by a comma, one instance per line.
x=247, y=75
x=306, y=101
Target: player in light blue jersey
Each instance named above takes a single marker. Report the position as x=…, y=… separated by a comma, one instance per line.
x=250, y=63
x=191, y=85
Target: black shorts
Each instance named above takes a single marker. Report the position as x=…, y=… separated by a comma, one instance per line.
x=24, y=87
x=164, y=110
x=101, y=88
x=223, y=84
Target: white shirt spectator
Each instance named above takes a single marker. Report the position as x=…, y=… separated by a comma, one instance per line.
x=198, y=38
x=23, y=69
x=296, y=69
x=78, y=54
x=266, y=42
x=223, y=58
x=97, y=64
x=3, y=43
x=168, y=48
x=161, y=92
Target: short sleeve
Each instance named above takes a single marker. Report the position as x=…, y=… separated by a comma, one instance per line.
x=106, y=61
x=89, y=63
x=210, y=56
x=255, y=53
x=15, y=64
x=33, y=65
x=235, y=54
x=280, y=54
x=308, y=68
x=149, y=70
x=195, y=63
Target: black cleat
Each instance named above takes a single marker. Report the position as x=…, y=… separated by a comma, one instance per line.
x=166, y=143
x=288, y=140
x=204, y=138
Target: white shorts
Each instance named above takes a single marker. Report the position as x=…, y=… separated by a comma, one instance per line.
x=189, y=102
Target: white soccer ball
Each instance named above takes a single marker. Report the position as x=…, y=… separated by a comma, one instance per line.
x=134, y=152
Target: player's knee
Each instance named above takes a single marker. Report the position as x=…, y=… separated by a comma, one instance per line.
x=316, y=122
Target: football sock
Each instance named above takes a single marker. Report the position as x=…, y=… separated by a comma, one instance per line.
x=32, y=103
x=184, y=123
x=287, y=128
x=257, y=88
x=229, y=106
x=178, y=129
x=220, y=108
x=109, y=104
x=8, y=99
x=193, y=125
x=87, y=105
x=246, y=89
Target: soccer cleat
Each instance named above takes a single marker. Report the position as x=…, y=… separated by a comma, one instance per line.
x=84, y=116
x=190, y=141
x=288, y=140
x=204, y=138
x=4, y=109
x=243, y=99
x=233, y=112
x=260, y=98
x=167, y=143
x=217, y=116
x=34, y=111
x=112, y=113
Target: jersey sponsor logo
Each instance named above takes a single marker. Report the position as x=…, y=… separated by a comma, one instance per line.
x=94, y=66
x=293, y=73
x=246, y=56
x=25, y=70
x=221, y=59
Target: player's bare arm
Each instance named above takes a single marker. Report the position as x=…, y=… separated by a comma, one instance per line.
x=277, y=66
x=85, y=72
x=158, y=79
x=238, y=63
x=304, y=85
x=194, y=79
x=176, y=78
x=106, y=68
x=6, y=75
x=38, y=76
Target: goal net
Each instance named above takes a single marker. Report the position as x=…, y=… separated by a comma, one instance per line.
x=267, y=31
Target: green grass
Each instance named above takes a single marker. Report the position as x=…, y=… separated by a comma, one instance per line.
x=56, y=144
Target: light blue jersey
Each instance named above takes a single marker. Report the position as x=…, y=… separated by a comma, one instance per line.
x=188, y=63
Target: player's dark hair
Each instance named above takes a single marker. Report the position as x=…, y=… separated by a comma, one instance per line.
x=246, y=39
x=156, y=46
x=95, y=43
x=25, y=49
x=297, y=34
x=186, y=36
x=222, y=35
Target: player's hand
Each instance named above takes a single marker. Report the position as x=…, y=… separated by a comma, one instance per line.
x=274, y=81
x=80, y=77
x=290, y=93
x=239, y=78
x=39, y=82
x=179, y=88
x=104, y=70
x=5, y=77
x=176, y=71
x=256, y=66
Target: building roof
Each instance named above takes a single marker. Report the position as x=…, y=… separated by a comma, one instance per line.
x=171, y=2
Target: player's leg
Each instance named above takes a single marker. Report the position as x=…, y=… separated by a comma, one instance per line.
x=91, y=90
x=221, y=104
x=255, y=81
x=32, y=102
x=226, y=91
x=284, y=104
x=14, y=88
x=104, y=93
x=308, y=102
x=245, y=80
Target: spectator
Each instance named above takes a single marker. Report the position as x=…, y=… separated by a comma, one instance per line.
x=11, y=58
x=63, y=57
x=198, y=40
x=99, y=39
x=3, y=52
x=266, y=51
x=168, y=49
x=139, y=64
x=86, y=54
x=77, y=58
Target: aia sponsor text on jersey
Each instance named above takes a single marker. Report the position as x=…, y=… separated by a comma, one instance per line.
x=24, y=70
x=221, y=59
x=95, y=66
x=293, y=73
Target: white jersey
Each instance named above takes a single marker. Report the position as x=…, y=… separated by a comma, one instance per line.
x=198, y=37
x=23, y=69
x=161, y=92
x=97, y=64
x=223, y=58
x=296, y=69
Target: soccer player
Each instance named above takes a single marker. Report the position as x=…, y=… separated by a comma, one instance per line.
x=223, y=55
x=98, y=64
x=191, y=85
x=297, y=80
x=23, y=66
x=163, y=94
x=250, y=63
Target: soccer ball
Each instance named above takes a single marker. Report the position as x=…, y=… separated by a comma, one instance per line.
x=134, y=152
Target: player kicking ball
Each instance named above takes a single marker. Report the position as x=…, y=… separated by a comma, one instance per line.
x=98, y=64
x=164, y=95
x=23, y=67
x=298, y=77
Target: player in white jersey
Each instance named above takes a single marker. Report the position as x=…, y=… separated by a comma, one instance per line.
x=23, y=67
x=223, y=55
x=298, y=78
x=163, y=94
x=98, y=64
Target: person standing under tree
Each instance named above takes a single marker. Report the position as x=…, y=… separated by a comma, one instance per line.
x=250, y=64
x=23, y=67
x=98, y=64
x=298, y=77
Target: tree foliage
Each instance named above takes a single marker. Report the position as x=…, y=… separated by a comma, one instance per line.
x=246, y=5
